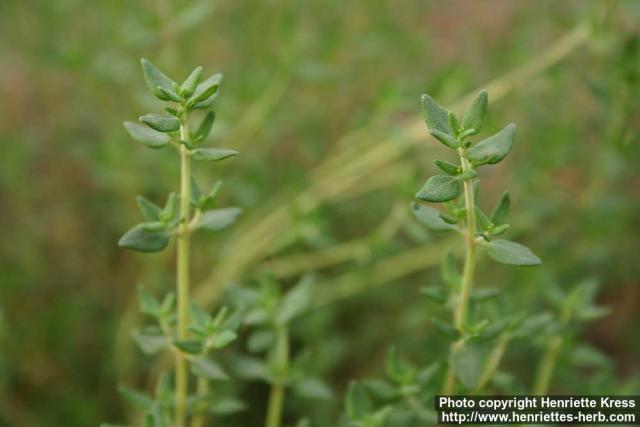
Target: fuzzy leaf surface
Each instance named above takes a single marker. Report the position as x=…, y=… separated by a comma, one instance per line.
x=149, y=137
x=439, y=188
x=511, y=253
x=493, y=149
x=430, y=217
x=473, y=118
x=435, y=116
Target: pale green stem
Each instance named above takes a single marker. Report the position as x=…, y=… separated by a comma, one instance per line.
x=547, y=364
x=461, y=309
x=182, y=369
x=276, y=398
x=548, y=361
x=203, y=390
x=493, y=361
x=470, y=257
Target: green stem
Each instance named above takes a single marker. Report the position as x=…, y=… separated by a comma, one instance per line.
x=546, y=366
x=182, y=369
x=276, y=398
x=470, y=257
x=548, y=361
x=203, y=390
x=461, y=309
x=493, y=361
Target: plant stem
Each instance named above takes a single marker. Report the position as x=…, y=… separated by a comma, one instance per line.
x=276, y=398
x=545, y=368
x=182, y=370
x=548, y=361
x=493, y=361
x=203, y=390
x=470, y=257
x=460, y=311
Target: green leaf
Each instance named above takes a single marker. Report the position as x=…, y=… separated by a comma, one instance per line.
x=148, y=303
x=189, y=86
x=205, y=94
x=207, y=368
x=312, y=388
x=467, y=363
x=439, y=188
x=260, y=341
x=149, y=137
x=154, y=78
x=161, y=122
x=430, y=217
x=149, y=343
x=444, y=138
x=208, y=202
x=381, y=389
x=500, y=229
x=202, y=88
x=358, y=402
x=445, y=329
x=170, y=210
x=217, y=219
x=295, y=302
x=227, y=406
x=436, y=117
x=189, y=346
x=139, y=399
x=168, y=95
x=453, y=122
x=213, y=154
x=196, y=194
x=205, y=127
x=483, y=220
x=399, y=371
x=142, y=239
x=150, y=211
x=493, y=149
x=164, y=390
x=222, y=339
x=473, y=118
x=511, y=253
x=501, y=212
x=448, y=168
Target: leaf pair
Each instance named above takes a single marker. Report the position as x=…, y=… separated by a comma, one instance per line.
x=193, y=93
x=154, y=235
x=443, y=124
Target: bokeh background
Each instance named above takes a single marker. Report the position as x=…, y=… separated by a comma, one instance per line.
x=321, y=97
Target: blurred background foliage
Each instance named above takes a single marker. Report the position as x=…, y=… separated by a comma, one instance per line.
x=321, y=97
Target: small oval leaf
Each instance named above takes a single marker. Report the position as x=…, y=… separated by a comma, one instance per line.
x=154, y=78
x=149, y=137
x=511, y=253
x=213, y=154
x=439, y=188
x=145, y=238
x=493, y=149
x=430, y=217
x=473, y=118
x=217, y=219
x=435, y=116
x=161, y=122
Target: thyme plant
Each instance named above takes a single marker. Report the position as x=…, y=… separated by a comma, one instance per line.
x=477, y=344
x=181, y=327
x=462, y=213
x=271, y=314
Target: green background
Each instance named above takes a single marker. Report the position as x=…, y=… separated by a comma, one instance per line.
x=321, y=98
